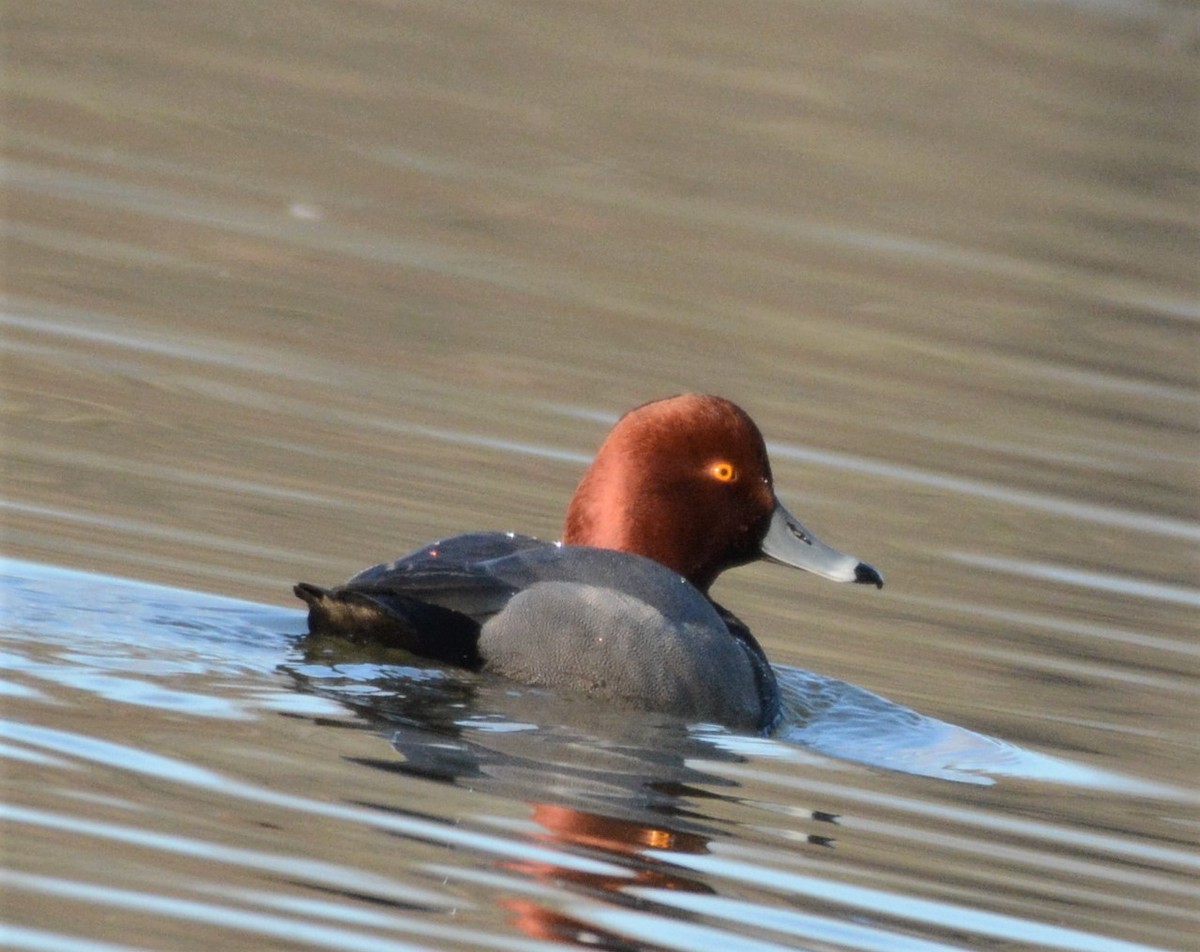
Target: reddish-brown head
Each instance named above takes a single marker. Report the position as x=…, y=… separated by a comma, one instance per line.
x=684, y=481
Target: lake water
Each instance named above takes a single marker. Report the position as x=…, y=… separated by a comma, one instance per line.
x=293, y=288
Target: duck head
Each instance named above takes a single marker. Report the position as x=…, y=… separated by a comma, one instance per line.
x=686, y=481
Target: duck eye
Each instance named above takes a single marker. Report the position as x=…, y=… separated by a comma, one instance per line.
x=723, y=472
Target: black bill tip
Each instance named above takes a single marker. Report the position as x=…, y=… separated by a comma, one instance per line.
x=867, y=575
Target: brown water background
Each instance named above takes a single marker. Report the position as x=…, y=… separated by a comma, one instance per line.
x=294, y=287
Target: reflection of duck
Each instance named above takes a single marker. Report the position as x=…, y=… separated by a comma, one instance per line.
x=643, y=850
x=680, y=491
x=612, y=834
x=577, y=829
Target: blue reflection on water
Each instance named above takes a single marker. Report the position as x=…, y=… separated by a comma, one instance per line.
x=149, y=645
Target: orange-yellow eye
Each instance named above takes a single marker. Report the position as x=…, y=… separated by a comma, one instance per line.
x=723, y=472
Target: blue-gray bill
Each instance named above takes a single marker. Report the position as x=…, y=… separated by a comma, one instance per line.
x=789, y=543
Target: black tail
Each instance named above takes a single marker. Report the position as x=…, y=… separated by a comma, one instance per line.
x=393, y=620
x=312, y=594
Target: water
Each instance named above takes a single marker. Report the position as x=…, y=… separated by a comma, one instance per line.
x=293, y=288
x=444, y=791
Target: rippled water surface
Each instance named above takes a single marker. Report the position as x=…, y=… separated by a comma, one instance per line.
x=292, y=288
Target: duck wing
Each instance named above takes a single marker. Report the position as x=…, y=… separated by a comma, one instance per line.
x=431, y=602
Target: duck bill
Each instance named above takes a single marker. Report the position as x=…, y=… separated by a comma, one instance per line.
x=789, y=543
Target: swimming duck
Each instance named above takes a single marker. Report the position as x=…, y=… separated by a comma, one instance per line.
x=679, y=491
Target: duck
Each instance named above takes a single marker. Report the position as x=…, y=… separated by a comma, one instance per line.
x=619, y=609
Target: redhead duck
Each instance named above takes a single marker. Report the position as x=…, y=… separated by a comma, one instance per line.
x=680, y=491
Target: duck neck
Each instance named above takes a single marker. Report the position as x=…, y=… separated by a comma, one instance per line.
x=598, y=514
x=603, y=515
